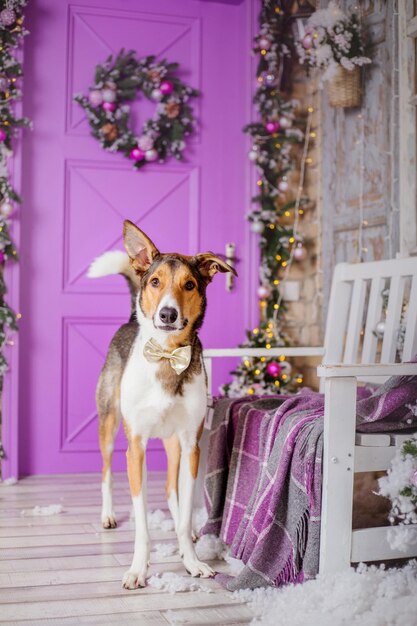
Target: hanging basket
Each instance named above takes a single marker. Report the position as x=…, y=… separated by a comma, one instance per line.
x=344, y=88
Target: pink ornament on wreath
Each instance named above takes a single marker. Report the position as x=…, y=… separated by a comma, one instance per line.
x=145, y=143
x=3, y=134
x=137, y=154
x=273, y=369
x=109, y=106
x=307, y=42
x=7, y=17
x=166, y=87
x=272, y=127
x=264, y=291
x=151, y=155
x=109, y=95
x=95, y=97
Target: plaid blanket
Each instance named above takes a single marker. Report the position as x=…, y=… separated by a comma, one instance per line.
x=263, y=480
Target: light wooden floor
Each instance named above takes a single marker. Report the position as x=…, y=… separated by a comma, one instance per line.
x=65, y=569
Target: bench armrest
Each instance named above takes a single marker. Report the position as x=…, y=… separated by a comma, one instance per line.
x=363, y=369
x=258, y=352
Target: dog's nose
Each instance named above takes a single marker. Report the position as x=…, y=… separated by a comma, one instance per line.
x=168, y=315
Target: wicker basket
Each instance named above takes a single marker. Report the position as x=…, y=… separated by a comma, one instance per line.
x=344, y=88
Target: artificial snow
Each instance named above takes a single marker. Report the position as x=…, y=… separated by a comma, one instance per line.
x=157, y=520
x=163, y=550
x=200, y=517
x=173, y=583
x=210, y=547
x=51, y=509
x=369, y=596
x=8, y=482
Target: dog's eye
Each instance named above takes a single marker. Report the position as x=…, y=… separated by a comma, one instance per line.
x=155, y=282
x=189, y=285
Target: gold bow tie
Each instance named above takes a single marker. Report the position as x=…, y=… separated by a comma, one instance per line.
x=179, y=359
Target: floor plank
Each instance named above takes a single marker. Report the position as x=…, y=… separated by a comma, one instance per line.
x=65, y=569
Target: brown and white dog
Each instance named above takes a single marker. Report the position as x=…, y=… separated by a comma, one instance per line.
x=154, y=380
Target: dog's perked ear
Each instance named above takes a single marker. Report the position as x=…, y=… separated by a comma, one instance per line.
x=139, y=247
x=208, y=264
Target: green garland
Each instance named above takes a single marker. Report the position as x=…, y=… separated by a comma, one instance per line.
x=117, y=82
x=273, y=137
x=11, y=35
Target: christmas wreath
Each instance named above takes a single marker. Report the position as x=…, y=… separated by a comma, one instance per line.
x=117, y=82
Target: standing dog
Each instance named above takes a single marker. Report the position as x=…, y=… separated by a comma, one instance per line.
x=154, y=380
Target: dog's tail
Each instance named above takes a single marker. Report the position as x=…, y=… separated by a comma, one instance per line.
x=116, y=262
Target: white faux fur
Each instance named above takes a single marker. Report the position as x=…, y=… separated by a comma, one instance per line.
x=112, y=262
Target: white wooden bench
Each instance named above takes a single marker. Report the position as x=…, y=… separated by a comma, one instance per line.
x=352, y=353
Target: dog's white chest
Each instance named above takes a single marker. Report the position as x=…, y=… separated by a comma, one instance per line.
x=148, y=409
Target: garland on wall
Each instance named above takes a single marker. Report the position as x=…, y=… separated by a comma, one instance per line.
x=11, y=35
x=276, y=209
x=117, y=82
x=12, y=32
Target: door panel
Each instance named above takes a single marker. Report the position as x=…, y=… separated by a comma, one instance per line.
x=77, y=196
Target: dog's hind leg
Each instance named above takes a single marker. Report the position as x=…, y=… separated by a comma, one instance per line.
x=173, y=452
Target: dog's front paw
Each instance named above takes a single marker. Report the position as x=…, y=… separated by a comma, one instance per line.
x=197, y=568
x=109, y=521
x=133, y=580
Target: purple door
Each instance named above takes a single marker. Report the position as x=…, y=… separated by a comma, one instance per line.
x=76, y=197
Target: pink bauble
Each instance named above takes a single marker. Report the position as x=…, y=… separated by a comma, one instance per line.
x=2, y=257
x=272, y=127
x=109, y=106
x=166, y=87
x=151, y=155
x=273, y=369
x=285, y=122
x=109, y=95
x=145, y=143
x=3, y=134
x=95, y=97
x=414, y=479
x=283, y=185
x=156, y=94
x=307, y=42
x=300, y=253
x=137, y=154
x=6, y=208
x=7, y=17
x=264, y=291
x=264, y=43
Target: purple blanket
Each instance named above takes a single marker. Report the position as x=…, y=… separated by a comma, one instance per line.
x=263, y=480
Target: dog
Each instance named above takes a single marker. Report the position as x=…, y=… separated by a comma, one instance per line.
x=154, y=381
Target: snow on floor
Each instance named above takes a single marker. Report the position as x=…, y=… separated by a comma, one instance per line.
x=369, y=596
x=173, y=583
x=51, y=509
x=163, y=550
x=8, y=482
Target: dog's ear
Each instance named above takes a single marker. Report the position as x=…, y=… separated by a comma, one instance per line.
x=208, y=264
x=139, y=247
